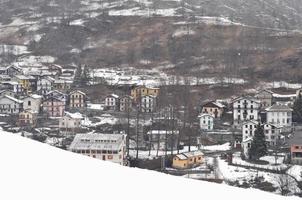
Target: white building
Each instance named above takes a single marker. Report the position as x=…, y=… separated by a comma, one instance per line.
x=206, y=121
x=148, y=103
x=33, y=103
x=70, y=122
x=112, y=102
x=248, y=129
x=110, y=147
x=245, y=108
x=10, y=105
x=272, y=134
x=45, y=84
x=279, y=115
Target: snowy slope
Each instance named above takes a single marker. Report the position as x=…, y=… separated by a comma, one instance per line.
x=32, y=170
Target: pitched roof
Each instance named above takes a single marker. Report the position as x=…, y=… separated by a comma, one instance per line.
x=187, y=155
x=76, y=115
x=97, y=142
x=247, y=97
x=13, y=99
x=250, y=121
x=213, y=104
x=77, y=91
x=279, y=107
x=113, y=95
x=205, y=114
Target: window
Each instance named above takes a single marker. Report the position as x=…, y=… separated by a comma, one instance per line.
x=29, y=103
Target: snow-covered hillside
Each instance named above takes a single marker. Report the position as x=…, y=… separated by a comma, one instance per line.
x=32, y=170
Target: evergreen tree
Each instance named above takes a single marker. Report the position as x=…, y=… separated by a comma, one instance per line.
x=297, y=109
x=258, y=146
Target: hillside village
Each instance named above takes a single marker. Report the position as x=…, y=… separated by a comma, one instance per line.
x=257, y=137
x=204, y=90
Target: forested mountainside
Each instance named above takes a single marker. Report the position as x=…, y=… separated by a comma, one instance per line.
x=253, y=39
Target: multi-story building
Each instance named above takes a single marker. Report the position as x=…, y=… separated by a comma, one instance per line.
x=142, y=91
x=265, y=97
x=54, y=106
x=272, y=134
x=148, y=103
x=279, y=115
x=28, y=118
x=77, y=99
x=112, y=102
x=126, y=102
x=109, y=147
x=206, y=121
x=10, y=105
x=70, y=122
x=245, y=108
x=45, y=85
x=214, y=108
x=32, y=102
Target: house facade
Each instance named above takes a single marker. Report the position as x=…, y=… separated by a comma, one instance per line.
x=112, y=102
x=77, y=99
x=45, y=85
x=10, y=105
x=206, y=121
x=188, y=160
x=126, y=103
x=148, y=103
x=108, y=147
x=213, y=108
x=54, y=106
x=265, y=97
x=279, y=115
x=28, y=118
x=32, y=102
x=272, y=134
x=70, y=122
x=245, y=108
x=142, y=91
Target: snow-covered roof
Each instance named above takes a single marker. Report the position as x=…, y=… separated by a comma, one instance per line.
x=77, y=91
x=31, y=164
x=76, y=115
x=284, y=95
x=112, y=95
x=279, y=107
x=13, y=99
x=205, y=115
x=98, y=142
x=247, y=97
x=213, y=104
x=162, y=132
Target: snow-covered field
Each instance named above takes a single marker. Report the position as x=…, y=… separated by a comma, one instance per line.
x=232, y=173
x=152, y=78
x=32, y=170
x=155, y=153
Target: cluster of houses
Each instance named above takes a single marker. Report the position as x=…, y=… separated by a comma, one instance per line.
x=46, y=92
x=270, y=110
x=145, y=99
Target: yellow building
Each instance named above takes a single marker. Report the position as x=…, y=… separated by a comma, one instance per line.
x=188, y=160
x=24, y=81
x=142, y=91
